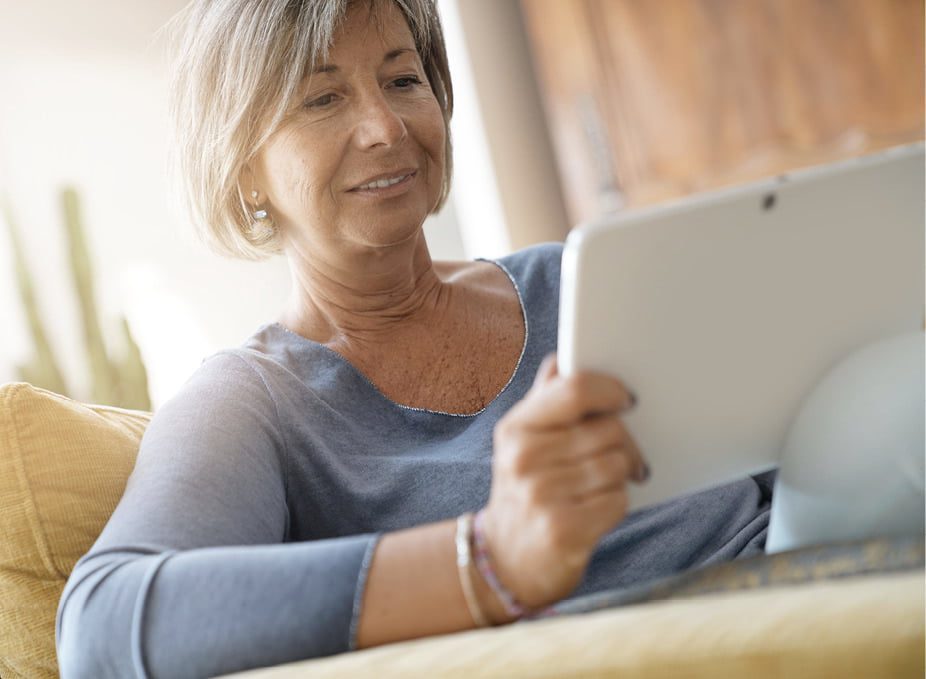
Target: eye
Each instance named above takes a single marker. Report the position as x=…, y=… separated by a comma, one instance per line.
x=406, y=82
x=321, y=102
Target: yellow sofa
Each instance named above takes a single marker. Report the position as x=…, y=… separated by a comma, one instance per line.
x=64, y=464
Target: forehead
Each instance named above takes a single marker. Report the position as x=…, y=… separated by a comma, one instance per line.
x=370, y=26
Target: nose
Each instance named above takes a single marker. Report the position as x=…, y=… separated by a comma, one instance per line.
x=378, y=123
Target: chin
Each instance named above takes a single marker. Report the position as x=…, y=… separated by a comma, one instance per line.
x=392, y=229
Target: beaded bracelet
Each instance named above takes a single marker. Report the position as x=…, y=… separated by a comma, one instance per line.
x=512, y=607
x=463, y=540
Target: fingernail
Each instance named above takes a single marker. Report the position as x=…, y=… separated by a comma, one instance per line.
x=633, y=399
x=644, y=472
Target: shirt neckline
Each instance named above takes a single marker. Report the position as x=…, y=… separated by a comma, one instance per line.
x=350, y=366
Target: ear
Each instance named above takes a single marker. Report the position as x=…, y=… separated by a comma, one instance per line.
x=247, y=185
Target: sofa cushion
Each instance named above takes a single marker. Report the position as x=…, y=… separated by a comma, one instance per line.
x=868, y=626
x=63, y=468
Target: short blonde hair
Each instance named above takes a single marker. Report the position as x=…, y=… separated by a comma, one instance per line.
x=237, y=71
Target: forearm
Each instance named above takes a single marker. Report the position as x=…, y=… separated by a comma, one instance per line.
x=413, y=588
x=210, y=611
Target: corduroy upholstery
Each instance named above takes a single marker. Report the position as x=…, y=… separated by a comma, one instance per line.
x=63, y=468
x=870, y=626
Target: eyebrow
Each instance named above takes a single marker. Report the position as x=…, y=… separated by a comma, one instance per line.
x=390, y=56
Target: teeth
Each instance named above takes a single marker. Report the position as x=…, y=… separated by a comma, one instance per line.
x=383, y=183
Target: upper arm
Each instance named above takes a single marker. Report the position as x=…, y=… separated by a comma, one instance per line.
x=210, y=469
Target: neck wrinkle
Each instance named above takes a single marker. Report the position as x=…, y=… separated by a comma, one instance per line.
x=353, y=306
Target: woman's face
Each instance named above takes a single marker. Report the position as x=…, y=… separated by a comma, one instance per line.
x=367, y=118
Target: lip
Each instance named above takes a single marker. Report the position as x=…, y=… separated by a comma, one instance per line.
x=411, y=172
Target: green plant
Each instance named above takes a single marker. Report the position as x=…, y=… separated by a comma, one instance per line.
x=120, y=381
x=42, y=369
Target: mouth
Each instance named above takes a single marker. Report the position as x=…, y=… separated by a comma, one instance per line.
x=385, y=183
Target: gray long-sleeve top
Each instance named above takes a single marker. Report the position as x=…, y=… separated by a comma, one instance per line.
x=248, y=525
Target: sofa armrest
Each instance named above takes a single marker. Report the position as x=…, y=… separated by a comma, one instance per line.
x=863, y=626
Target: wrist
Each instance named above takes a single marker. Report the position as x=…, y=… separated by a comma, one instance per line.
x=502, y=602
x=492, y=606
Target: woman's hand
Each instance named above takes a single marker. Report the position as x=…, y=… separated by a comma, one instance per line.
x=561, y=461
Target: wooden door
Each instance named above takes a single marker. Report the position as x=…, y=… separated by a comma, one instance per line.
x=648, y=100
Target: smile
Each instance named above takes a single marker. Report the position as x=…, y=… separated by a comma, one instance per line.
x=385, y=183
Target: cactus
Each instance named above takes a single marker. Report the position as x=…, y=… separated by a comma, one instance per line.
x=122, y=382
x=133, y=378
x=103, y=379
x=42, y=370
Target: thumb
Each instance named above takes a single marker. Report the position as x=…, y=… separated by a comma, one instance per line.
x=547, y=370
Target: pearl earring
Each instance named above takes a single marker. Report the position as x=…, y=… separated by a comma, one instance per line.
x=259, y=215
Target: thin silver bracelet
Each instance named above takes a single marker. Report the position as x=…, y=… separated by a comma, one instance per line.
x=464, y=558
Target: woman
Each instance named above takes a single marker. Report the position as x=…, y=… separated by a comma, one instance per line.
x=301, y=496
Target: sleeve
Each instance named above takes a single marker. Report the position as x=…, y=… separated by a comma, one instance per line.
x=192, y=576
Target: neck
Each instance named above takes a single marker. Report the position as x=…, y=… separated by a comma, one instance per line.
x=363, y=298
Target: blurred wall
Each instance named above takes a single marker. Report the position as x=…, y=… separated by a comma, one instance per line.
x=508, y=189
x=84, y=104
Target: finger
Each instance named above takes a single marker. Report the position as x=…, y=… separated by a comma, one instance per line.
x=595, y=515
x=640, y=470
x=564, y=401
x=609, y=506
x=602, y=432
x=547, y=370
x=590, y=436
x=598, y=473
x=603, y=473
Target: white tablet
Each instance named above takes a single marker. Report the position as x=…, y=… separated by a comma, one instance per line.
x=722, y=311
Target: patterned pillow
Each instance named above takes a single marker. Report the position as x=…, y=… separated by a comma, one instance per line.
x=808, y=564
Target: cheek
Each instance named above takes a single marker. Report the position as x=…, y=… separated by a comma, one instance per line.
x=438, y=133
x=299, y=175
x=434, y=141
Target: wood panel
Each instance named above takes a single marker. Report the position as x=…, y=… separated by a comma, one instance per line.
x=695, y=94
x=570, y=72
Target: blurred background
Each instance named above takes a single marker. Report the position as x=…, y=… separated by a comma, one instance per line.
x=566, y=110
